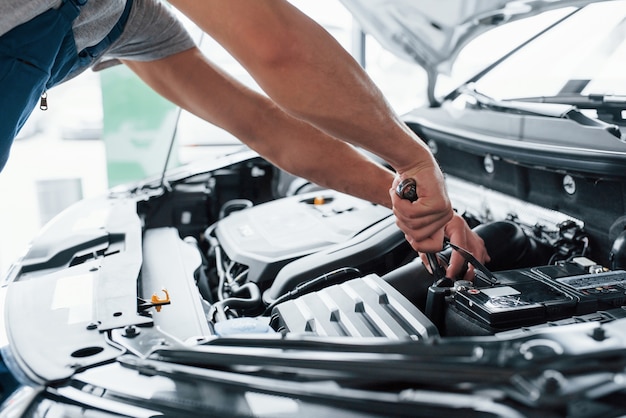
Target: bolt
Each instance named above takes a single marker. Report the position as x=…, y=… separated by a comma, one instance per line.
x=489, y=164
x=598, y=334
x=553, y=381
x=131, y=331
x=551, y=384
x=569, y=184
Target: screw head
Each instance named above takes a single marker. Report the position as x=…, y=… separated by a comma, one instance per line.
x=569, y=184
x=131, y=331
x=489, y=164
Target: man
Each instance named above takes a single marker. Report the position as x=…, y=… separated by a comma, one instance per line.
x=320, y=104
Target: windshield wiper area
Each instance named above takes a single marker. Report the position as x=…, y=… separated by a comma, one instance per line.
x=609, y=107
x=591, y=101
x=539, y=368
x=564, y=107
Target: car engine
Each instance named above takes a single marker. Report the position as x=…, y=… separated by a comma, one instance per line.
x=318, y=262
x=236, y=268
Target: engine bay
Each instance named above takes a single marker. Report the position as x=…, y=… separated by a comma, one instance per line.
x=285, y=256
x=243, y=254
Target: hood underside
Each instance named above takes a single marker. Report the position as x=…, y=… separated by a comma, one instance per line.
x=433, y=32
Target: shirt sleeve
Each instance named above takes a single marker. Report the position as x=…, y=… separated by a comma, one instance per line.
x=152, y=32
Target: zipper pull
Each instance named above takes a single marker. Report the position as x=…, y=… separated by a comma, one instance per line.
x=43, y=103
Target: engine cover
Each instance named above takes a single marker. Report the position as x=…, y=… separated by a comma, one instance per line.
x=266, y=237
x=364, y=307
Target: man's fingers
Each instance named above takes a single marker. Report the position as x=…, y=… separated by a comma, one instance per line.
x=430, y=244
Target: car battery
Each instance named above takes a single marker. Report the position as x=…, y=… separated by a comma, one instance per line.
x=536, y=295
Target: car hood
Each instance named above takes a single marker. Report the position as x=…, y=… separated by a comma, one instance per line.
x=432, y=33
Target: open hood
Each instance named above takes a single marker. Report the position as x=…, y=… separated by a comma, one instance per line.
x=433, y=32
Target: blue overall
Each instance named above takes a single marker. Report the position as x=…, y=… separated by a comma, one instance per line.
x=36, y=56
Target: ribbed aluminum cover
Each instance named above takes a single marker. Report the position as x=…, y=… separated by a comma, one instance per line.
x=363, y=307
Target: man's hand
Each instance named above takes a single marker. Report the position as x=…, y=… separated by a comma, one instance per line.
x=459, y=233
x=423, y=220
x=428, y=220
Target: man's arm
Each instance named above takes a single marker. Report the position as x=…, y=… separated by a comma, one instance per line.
x=303, y=69
x=189, y=80
x=309, y=75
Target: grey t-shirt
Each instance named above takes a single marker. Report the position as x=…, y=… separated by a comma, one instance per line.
x=152, y=31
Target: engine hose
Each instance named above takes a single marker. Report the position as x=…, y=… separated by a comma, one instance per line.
x=218, y=310
x=221, y=274
x=617, y=257
x=202, y=281
x=234, y=206
x=341, y=274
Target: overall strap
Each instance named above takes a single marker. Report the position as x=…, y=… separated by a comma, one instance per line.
x=73, y=62
x=113, y=35
x=70, y=9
